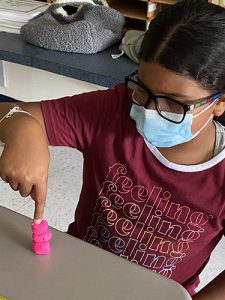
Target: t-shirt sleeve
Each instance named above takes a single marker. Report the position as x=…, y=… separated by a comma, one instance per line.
x=75, y=121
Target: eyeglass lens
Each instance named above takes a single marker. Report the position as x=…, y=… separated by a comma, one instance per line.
x=137, y=94
x=170, y=110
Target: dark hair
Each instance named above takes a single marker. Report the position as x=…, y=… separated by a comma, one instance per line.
x=189, y=39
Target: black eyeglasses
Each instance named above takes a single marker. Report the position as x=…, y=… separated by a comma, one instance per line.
x=168, y=108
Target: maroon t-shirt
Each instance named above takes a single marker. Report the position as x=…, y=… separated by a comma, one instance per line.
x=134, y=202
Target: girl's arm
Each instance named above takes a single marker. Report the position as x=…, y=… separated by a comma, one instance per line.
x=25, y=159
x=215, y=290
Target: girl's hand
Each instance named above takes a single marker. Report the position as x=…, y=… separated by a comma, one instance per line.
x=24, y=165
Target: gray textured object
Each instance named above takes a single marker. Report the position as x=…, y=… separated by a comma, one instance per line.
x=91, y=29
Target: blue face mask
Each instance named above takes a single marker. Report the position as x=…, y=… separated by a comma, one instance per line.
x=161, y=132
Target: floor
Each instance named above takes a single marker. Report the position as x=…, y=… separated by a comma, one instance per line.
x=63, y=193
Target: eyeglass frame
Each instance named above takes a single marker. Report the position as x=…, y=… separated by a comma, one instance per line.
x=186, y=107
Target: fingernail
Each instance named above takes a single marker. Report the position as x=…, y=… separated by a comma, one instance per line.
x=37, y=221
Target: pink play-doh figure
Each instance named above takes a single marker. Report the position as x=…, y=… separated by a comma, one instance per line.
x=41, y=236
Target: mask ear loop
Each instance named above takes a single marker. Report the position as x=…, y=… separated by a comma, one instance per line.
x=203, y=126
x=201, y=112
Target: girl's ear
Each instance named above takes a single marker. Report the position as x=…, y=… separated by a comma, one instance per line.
x=219, y=108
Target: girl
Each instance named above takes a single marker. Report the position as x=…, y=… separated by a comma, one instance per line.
x=154, y=158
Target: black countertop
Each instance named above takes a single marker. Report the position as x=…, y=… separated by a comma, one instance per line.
x=98, y=68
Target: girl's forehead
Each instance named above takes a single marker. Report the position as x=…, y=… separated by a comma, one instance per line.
x=161, y=80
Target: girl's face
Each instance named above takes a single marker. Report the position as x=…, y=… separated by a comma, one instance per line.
x=163, y=82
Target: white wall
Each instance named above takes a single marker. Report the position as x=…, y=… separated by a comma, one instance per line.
x=30, y=84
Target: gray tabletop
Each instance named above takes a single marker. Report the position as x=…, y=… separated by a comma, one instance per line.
x=75, y=270
x=98, y=68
